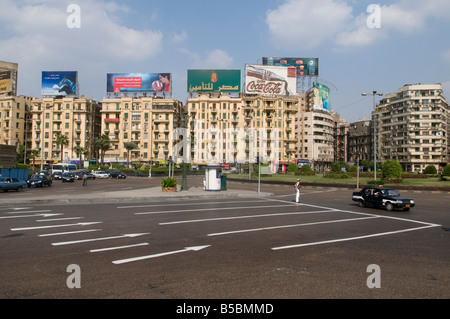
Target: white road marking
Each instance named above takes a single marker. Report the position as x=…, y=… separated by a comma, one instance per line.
x=118, y=247
x=36, y=215
x=57, y=219
x=195, y=248
x=290, y=226
x=206, y=209
x=186, y=204
x=246, y=216
x=30, y=211
x=97, y=239
x=54, y=226
x=352, y=238
x=70, y=232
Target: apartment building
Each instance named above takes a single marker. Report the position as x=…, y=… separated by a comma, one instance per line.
x=15, y=121
x=360, y=141
x=411, y=126
x=146, y=121
x=267, y=124
x=76, y=118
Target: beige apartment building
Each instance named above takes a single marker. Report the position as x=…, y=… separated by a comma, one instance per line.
x=146, y=121
x=14, y=120
x=411, y=126
x=76, y=118
x=268, y=123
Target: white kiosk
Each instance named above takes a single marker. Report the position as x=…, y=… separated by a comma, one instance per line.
x=213, y=177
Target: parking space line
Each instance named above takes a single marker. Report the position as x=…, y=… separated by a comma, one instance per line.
x=118, y=247
x=352, y=238
x=206, y=209
x=186, y=204
x=242, y=217
x=290, y=226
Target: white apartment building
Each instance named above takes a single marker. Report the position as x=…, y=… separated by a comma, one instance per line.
x=411, y=126
x=14, y=119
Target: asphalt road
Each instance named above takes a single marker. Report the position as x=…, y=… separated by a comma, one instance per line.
x=247, y=248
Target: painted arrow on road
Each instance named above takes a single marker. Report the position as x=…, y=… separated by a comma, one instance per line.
x=97, y=239
x=55, y=226
x=194, y=248
x=35, y=215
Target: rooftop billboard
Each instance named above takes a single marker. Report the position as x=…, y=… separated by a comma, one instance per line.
x=304, y=66
x=321, y=98
x=208, y=81
x=138, y=82
x=5, y=81
x=278, y=80
x=59, y=83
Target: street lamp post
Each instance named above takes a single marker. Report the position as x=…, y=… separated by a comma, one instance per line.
x=374, y=93
x=184, y=185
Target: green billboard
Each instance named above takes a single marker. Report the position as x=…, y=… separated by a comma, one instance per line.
x=208, y=81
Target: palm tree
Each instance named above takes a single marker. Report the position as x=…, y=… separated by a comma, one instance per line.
x=129, y=146
x=80, y=151
x=103, y=144
x=33, y=154
x=63, y=141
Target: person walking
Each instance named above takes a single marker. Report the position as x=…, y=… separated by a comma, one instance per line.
x=297, y=187
x=84, y=179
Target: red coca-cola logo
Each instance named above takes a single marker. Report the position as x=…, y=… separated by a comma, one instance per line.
x=268, y=88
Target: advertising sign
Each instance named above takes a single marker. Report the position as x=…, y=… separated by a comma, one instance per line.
x=278, y=80
x=138, y=82
x=5, y=81
x=208, y=81
x=321, y=98
x=304, y=66
x=59, y=83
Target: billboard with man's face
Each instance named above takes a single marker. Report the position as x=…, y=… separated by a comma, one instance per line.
x=59, y=83
x=138, y=82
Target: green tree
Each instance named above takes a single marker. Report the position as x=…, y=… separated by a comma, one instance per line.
x=292, y=168
x=103, y=144
x=446, y=171
x=63, y=141
x=33, y=155
x=430, y=169
x=392, y=171
x=129, y=146
x=80, y=151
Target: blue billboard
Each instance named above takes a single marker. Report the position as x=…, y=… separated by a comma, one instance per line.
x=59, y=83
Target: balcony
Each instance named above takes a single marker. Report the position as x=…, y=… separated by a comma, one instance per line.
x=108, y=120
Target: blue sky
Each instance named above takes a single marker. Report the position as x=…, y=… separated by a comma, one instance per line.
x=412, y=44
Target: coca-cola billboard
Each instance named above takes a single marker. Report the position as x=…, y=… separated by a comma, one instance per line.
x=271, y=80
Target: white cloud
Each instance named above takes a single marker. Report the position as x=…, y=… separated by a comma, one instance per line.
x=179, y=37
x=218, y=59
x=309, y=23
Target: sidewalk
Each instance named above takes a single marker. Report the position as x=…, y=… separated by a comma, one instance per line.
x=135, y=195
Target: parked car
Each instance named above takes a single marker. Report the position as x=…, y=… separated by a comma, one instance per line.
x=67, y=177
x=57, y=175
x=39, y=180
x=12, y=183
x=382, y=197
x=101, y=174
x=118, y=174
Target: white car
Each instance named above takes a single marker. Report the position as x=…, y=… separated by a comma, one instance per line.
x=101, y=174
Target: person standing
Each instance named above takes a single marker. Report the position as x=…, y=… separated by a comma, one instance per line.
x=297, y=187
x=84, y=179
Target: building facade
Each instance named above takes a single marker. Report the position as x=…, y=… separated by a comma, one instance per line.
x=411, y=126
x=15, y=122
x=148, y=122
x=360, y=141
x=76, y=118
